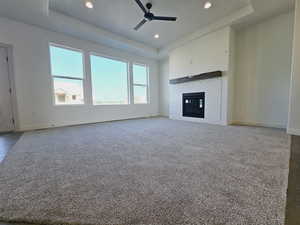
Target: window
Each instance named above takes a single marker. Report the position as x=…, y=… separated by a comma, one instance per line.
x=140, y=84
x=109, y=81
x=68, y=73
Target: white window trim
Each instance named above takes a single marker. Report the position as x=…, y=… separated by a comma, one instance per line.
x=92, y=53
x=141, y=85
x=87, y=84
x=83, y=79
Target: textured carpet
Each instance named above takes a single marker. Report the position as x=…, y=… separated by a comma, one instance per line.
x=147, y=172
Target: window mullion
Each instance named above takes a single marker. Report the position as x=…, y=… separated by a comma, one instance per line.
x=131, y=89
x=66, y=77
x=88, y=90
x=140, y=85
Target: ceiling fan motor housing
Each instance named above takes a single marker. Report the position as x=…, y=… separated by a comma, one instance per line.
x=149, y=16
x=149, y=5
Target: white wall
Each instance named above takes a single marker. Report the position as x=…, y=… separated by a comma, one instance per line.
x=294, y=113
x=210, y=52
x=164, y=87
x=33, y=80
x=213, y=100
x=231, y=77
x=205, y=54
x=263, y=70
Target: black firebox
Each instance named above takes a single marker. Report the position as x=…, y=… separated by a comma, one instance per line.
x=193, y=105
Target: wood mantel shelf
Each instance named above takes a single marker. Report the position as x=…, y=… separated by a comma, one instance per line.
x=202, y=76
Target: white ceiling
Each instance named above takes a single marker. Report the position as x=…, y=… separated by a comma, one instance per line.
x=111, y=22
x=264, y=9
x=120, y=16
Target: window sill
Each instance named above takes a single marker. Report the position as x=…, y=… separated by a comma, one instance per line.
x=59, y=105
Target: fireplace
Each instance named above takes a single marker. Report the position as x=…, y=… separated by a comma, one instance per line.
x=193, y=105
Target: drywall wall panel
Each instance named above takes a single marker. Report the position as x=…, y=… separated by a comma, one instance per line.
x=294, y=112
x=263, y=71
x=33, y=80
x=205, y=54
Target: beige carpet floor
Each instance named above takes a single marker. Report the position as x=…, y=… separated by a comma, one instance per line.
x=146, y=172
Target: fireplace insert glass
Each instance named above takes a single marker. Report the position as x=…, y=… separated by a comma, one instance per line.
x=193, y=105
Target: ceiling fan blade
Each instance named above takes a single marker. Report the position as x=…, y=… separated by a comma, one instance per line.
x=141, y=5
x=140, y=24
x=165, y=18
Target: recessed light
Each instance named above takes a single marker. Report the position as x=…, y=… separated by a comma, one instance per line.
x=156, y=36
x=207, y=5
x=89, y=4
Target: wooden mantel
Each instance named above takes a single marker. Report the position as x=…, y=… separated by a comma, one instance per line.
x=202, y=76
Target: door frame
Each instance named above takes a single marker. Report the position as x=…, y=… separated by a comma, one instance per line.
x=11, y=78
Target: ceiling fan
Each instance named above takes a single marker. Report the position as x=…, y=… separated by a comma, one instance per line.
x=148, y=16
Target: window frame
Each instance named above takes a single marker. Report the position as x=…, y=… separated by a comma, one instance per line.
x=147, y=85
x=92, y=53
x=83, y=79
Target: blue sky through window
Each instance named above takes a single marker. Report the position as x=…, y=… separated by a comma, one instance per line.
x=65, y=62
x=139, y=74
x=109, y=81
x=109, y=78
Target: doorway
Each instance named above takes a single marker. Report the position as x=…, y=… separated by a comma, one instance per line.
x=6, y=112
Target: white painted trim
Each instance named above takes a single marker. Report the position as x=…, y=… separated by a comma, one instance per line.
x=291, y=96
x=198, y=120
x=11, y=77
x=31, y=127
x=293, y=131
x=226, y=21
x=45, y=7
x=256, y=124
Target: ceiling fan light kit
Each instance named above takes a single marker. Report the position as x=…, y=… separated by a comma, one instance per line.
x=89, y=4
x=207, y=5
x=149, y=16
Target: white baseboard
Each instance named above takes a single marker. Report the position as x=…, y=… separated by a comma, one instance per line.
x=293, y=131
x=30, y=127
x=198, y=120
x=271, y=125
